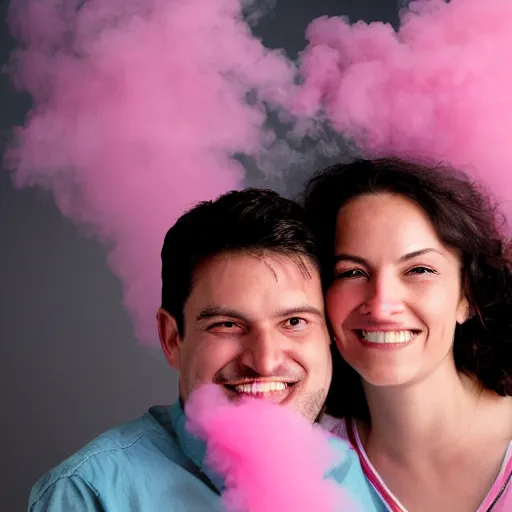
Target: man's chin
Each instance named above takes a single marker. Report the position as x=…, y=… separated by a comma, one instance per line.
x=308, y=405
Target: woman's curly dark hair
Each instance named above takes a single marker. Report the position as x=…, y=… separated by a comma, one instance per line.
x=465, y=217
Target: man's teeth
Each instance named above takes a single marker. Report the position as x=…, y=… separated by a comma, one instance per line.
x=388, y=336
x=261, y=387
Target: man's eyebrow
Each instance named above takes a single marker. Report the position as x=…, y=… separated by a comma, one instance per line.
x=406, y=257
x=213, y=311
x=299, y=310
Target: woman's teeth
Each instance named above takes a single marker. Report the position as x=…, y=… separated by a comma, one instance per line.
x=388, y=336
x=261, y=387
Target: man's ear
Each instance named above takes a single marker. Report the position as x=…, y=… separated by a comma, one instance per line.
x=169, y=337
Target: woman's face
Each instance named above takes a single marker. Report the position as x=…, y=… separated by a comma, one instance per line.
x=396, y=294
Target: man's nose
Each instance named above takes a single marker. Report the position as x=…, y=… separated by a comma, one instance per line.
x=263, y=352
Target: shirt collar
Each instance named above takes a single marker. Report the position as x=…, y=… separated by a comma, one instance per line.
x=193, y=447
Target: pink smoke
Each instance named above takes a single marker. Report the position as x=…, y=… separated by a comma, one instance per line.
x=437, y=89
x=138, y=107
x=271, y=458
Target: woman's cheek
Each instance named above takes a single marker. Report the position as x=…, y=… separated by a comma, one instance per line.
x=336, y=305
x=342, y=298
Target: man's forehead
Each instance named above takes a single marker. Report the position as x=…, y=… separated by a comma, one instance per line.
x=245, y=261
x=254, y=287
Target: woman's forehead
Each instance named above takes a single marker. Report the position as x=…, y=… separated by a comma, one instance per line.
x=386, y=224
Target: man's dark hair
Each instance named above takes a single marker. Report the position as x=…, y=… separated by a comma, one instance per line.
x=465, y=218
x=250, y=221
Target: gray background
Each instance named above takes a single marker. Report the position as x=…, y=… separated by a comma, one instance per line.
x=70, y=366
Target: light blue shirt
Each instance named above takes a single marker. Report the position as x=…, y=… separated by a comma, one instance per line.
x=153, y=465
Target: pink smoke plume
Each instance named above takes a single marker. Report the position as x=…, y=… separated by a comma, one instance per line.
x=438, y=88
x=272, y=459
x=138, y=108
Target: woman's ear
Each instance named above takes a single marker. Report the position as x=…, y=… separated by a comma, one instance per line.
x=464, y=311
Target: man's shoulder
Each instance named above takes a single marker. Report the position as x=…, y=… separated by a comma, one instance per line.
x=348, y=461
x=124, y=449
x=335, y=426
x=348, y=471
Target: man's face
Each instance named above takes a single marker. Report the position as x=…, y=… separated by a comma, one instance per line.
x=255, y=326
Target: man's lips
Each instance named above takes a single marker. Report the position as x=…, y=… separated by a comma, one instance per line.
x=274, y=390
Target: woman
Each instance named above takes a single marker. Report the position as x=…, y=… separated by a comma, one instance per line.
x=419, y=297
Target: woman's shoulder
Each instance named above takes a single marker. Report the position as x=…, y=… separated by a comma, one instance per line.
x=495, y=416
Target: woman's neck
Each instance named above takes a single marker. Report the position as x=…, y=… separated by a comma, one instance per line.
x=424, y=419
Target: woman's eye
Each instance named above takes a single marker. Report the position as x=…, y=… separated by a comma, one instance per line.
x=349, y=274
x=421, y=270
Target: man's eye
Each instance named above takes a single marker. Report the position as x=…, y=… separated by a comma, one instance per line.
x=296, y=321
x=349, y=274
x=223, y=325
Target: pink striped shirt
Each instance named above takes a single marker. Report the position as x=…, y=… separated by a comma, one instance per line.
x=498, y=499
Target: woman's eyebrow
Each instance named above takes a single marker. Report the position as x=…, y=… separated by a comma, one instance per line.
x=406, y=257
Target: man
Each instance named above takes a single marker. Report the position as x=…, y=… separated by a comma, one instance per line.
x=242, y=307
